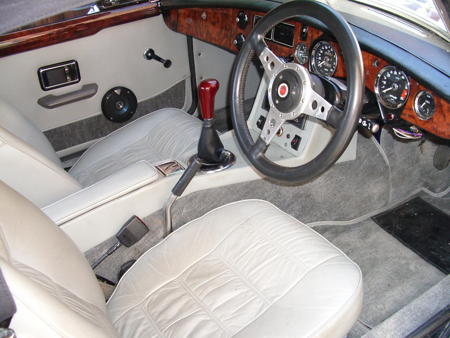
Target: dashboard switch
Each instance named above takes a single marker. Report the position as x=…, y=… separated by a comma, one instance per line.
x=304, y=33
x=260, y=122
x=295, y=143
x=239, y=41
x=242, y=20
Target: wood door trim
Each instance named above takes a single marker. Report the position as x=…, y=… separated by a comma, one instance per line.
x=43, y=36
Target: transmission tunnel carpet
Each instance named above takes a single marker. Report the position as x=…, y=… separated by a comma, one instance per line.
x=421, y=227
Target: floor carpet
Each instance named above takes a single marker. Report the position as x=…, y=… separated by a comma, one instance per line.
x=393, y=274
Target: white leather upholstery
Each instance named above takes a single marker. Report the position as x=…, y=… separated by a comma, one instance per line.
x=20, y=126
x=55, y=290
x=29, y=164
x=245, y=269
x=118, y=184
x=31, y=173
x=166, y=134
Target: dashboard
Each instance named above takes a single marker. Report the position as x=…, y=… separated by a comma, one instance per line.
x=400, y=96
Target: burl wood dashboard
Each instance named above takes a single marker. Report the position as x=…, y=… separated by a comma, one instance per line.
x=219, y=27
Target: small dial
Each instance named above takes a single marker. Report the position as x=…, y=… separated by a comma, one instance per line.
x=301, y=53
x=392, y=87
x=323, y=59
x=424, y=105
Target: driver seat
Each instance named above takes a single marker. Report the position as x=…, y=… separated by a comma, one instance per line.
x=29, y=164
x=246, y=269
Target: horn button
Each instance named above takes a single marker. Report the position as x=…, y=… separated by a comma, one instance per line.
x=286, y=91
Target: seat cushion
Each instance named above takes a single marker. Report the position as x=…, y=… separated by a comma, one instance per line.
x=245, y=269
x=166, y=134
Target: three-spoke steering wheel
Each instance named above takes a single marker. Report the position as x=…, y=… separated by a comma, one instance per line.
x=291, y=93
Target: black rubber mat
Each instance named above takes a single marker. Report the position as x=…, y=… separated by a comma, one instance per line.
x=421, y=227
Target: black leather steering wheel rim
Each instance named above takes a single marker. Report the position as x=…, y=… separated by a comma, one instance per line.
x=347, y=123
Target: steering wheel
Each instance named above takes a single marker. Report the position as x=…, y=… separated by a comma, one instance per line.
x=291, y=93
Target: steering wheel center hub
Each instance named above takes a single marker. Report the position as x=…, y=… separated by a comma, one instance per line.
x=286, y=91
x=283, y=90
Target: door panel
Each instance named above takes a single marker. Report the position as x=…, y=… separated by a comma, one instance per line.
x=112, y=57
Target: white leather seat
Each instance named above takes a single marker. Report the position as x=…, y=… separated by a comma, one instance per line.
x=245, y=269
x=166, y=134
x=29, y=164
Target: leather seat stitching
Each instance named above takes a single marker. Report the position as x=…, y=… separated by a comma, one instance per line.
x=152, y=321
x=290, y=288
x=275, y=244
x=356, y=289
x=181, y=318
x=182, y=272
x=143, y=141
x=203, y=305
x=118, y=130
x=244, y=279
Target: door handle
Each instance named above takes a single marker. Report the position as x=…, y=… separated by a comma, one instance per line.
x=54, y=101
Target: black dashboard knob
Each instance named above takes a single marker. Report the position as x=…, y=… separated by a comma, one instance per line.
x=239, y=40
x=242, y=20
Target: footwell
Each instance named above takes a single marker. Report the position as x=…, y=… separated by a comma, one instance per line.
x=421, y=227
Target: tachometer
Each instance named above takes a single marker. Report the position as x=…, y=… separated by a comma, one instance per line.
x=323, y=59
x=424, y=105
x=392, y=87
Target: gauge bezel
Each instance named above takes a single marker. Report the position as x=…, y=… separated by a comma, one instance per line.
x=377, y=92
x=416, y=105
x=313, y=59
x=306, y=55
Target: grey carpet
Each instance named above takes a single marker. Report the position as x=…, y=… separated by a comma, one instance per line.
x=442, y=203
x=418, y=311
x=411, y=167
x=346, y=191
x=393, y=275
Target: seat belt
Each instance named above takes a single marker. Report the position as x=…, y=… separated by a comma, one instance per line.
x=7, y=308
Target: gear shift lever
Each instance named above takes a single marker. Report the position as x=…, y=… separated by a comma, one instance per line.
x=211, y=155
x=207, y=91
x=210, y=148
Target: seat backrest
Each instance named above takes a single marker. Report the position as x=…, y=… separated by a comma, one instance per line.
x=19, y=125
x=53, y=286
x=28, y=162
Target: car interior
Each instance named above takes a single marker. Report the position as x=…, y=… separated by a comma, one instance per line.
x=218, y=168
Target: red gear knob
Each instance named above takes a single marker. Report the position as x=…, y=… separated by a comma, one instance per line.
x=207, y=90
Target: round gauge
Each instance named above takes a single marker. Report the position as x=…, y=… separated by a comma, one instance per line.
x=323, y=59
x=392, y=87
x=301, y=53
x=424, y=105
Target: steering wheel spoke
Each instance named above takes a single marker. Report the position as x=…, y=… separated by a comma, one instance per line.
x=318, y=107
x=258, y=149
x=271, y=63
x=334, y=117
x=273, y=123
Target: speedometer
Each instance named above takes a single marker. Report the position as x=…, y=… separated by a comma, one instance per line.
x=323, y=59
x=392, y=87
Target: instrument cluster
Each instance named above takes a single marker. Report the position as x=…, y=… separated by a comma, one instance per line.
x=392, y=86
